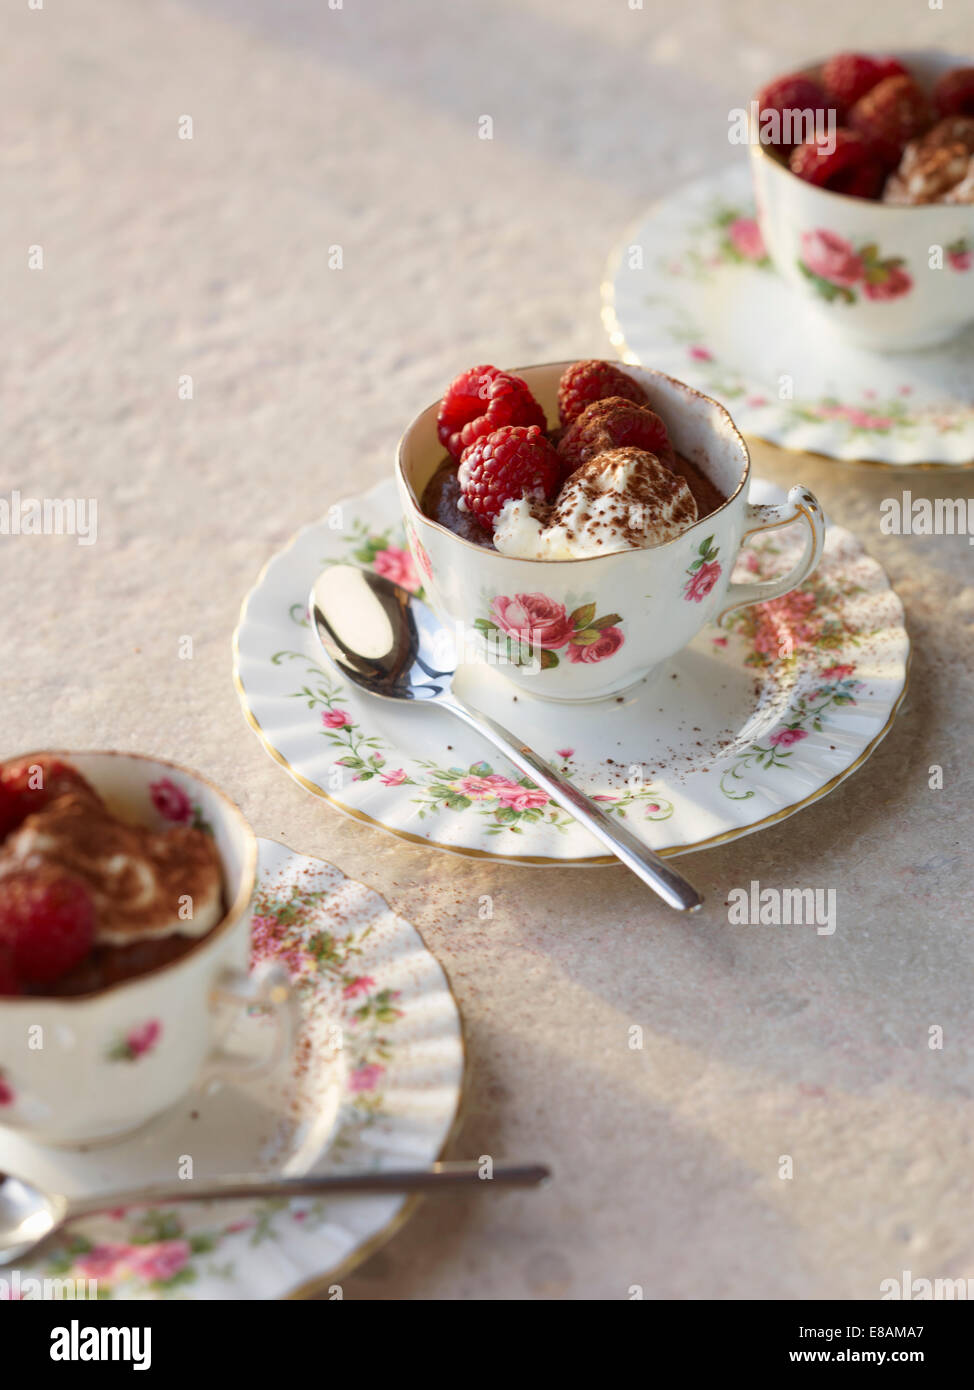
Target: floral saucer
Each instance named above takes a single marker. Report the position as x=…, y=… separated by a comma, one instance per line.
x=380, y=1089
x=742, y=728
x=692, y=292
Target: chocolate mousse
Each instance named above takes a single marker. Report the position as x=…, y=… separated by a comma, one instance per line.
x=152, y=895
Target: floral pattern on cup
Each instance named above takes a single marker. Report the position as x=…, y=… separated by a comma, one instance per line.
x=174, y=805
x=703, y=572
x=533, y=627
x=7, y=1095
x=137, y=1042
x=960, y=254
x=836, y=269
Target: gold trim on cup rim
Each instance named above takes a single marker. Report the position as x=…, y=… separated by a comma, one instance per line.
x=579, y=559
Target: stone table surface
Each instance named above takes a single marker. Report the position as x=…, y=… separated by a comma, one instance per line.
x=314, y=126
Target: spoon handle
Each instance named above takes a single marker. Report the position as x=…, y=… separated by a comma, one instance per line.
x=434, y=1178
x=654, y=871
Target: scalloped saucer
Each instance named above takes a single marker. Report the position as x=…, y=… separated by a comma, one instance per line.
x=740, y=729
x=385, y=1095
x=691, y=292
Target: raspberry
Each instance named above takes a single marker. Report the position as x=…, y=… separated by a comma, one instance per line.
x=849, y=76
x=614, y=423
x=515, y=461
x=894, y=112
x=47, y=920
x=585, y=382
x=9, y=979
x=852, y=168
x=791, y=93
x=27, y=786
x=481, y=400
x=953, y=92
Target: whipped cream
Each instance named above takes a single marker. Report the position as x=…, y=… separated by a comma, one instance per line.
x=141, y=882
x=624, y=499
x=936, y=168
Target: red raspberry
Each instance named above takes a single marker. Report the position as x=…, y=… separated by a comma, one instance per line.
x=9, y=979
x=852, y=168
x=614, y=423
x=481, y=400
x=894, y=112
x=515, y=461
x=26, y=787
x=47, y=919
x=849, y=76
x=953, y=92
x=792, y=93
x=585, y=382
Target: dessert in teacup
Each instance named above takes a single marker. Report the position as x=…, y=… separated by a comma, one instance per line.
x=864, y=181
x=87, y=899
x=579, y=521
x=125, y=908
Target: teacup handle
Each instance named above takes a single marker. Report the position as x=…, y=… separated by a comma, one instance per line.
x=800, y=506
x=268, y=989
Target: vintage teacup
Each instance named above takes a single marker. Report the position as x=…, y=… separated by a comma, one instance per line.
x=583, y=629
x=92, y=1067
x=882, y=276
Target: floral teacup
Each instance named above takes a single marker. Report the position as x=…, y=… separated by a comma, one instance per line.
x=588, y=628
x=93, y=1067
x=883, y=276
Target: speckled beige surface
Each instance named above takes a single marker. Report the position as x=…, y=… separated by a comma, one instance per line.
x=358, y=127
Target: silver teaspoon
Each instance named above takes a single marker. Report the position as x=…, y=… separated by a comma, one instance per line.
x=29, y=1215
x=386, y=641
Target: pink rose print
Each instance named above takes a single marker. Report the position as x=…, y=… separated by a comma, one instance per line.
x=960, y=260
x=7, y=1096
x=831, y=257
x=837, y=673
x=564, y=752
x=162, y=1261
x=366, y=1078
x=335, y=719
x=532, y=618
x=360, y=985
x=144, y=1038
x=537, y=621
x=609, y=641
x=397, y=565
x=703, y=572
x=477, y=788
x=894, y=283
x=700, y=584
x=746, y=238
x=519, y=798
x=136, y=1043
x=701, y=354
x=171, y=801
x=784, y=738
x=394, y=778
